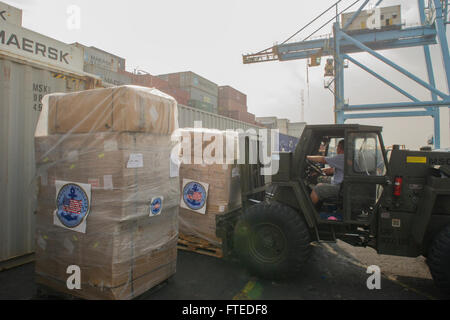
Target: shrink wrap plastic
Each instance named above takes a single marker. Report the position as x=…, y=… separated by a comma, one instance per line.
x=103, y=163
x=214, y=165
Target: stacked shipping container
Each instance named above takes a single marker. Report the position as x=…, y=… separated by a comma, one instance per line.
x=109, y=67
x=203, y=93
x=233, y=104
x=147, y=80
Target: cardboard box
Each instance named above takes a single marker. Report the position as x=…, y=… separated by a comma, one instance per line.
x=125, y=250
x=126, y=291
x=224, y=195
x=117, y=109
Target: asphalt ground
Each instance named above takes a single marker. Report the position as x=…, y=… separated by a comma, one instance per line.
x=334, y=272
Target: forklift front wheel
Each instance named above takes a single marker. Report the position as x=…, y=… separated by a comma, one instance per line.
x=272, y=240
x=439, y=260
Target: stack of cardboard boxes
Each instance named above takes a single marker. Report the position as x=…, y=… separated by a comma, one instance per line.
x=233, y=104
x=104, y=154
x=220, y=176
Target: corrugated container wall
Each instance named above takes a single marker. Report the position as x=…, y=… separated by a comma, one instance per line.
x=103, y=59
x=230, y=93
x=21, y=90
x=149, y=81
x=202, y=96
x=11, y=14
x=190, y=79
x=203, y=93
x=187, y=116
x=108, y=76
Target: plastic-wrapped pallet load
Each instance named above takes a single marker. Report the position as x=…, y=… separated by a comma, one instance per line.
x=210, y=182
x=107, y=204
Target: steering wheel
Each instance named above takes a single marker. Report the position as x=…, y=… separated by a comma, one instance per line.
x=315, y=167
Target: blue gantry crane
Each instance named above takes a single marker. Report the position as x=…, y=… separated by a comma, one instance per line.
x=375, y=33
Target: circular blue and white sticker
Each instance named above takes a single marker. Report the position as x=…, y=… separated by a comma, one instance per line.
x=72, y=205
x=156, y=206
x=194, y=195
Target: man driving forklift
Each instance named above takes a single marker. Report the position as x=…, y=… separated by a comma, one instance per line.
x=330, y=191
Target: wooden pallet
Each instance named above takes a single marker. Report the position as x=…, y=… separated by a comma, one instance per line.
x=44, y=292
x=200, y=246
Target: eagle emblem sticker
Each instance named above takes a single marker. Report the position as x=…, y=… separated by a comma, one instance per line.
x=195, y=195
x=73, y=202
x=156, y=206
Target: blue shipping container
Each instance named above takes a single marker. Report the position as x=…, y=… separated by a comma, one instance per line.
x=288, y=143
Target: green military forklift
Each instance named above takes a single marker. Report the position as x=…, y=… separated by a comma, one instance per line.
x=396, y=201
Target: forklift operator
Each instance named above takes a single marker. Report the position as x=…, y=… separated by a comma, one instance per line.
x=327, y=191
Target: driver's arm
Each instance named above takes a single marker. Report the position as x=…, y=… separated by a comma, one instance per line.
x=318, y=159
x=328, y=171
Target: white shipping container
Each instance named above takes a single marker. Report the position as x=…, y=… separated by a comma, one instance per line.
x=31, y=46
x=10, y=14
x=187, y=117
x=22, y=87
x=109, y=78
x=102, y=59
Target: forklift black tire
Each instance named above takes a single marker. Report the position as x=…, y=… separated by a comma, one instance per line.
x=272, y=240
x=439, y=260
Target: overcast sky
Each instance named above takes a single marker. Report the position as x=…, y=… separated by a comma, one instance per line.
x=209, y=37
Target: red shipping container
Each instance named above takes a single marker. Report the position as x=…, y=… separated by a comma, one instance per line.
x=242, y=116
x=251, y=117
x=237, y=115
x=147, y=80
x=174, y=80
x=182, y=96
x=227, y=92
x=231, y=105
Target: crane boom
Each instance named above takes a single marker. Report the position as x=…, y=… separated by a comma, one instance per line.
x=370, y=31
x=263, y=56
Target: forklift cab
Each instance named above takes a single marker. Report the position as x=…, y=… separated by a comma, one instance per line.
x=364, y=172
x=406, y=205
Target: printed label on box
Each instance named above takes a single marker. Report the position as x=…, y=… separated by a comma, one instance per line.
x=72, y=155
x=135, y=161
x=108, y=183
x=110, y=145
